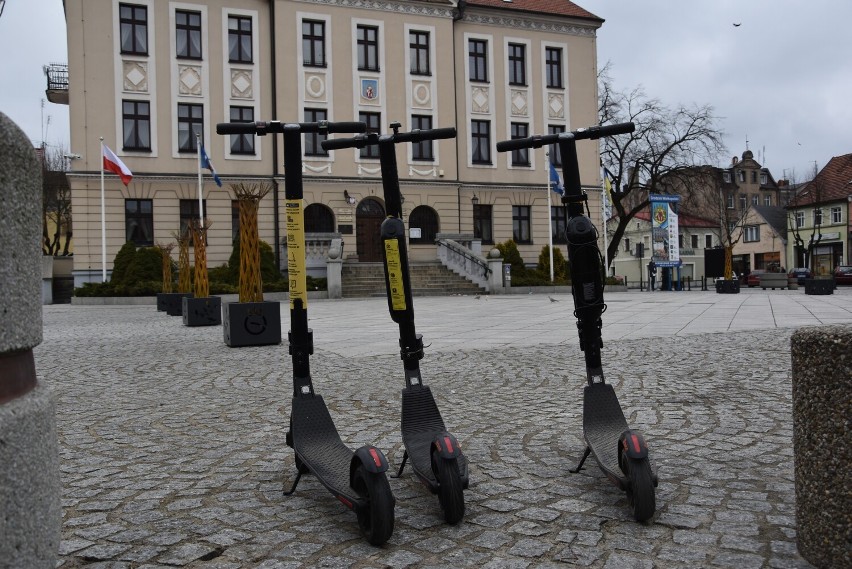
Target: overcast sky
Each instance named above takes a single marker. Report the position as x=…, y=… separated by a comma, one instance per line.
x=781, y=80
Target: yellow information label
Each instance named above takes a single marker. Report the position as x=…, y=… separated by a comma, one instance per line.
x=394, y=268
x=294, y=209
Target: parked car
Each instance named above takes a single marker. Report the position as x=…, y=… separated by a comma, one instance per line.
x=800, y=273
x=753, y=278
x=843, y=274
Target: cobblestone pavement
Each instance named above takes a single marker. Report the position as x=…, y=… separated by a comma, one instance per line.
x=172, y=444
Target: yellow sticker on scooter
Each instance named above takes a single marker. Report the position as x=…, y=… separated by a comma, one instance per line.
x=296, y=252
x=394, y=268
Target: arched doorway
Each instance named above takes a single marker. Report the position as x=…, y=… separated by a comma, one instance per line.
x=425, y=219
x=368, y=222
x=318, y=219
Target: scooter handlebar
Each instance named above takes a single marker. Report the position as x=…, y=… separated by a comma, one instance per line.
x=413, y=136
x=592, y=133
x=339, y=143
x=265, y=127
x=428, y=134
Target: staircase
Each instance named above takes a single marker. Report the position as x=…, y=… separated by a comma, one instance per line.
x=427, y=279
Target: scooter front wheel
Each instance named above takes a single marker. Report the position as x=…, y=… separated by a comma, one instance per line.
x=450, y=491
x=376, y=518
x=640, y=495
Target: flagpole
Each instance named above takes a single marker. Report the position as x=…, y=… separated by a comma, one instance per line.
x=604, y=223
x=549, y=213
x=200, y=183
x=103, y=217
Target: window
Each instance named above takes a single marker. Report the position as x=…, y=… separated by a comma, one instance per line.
x=755, y=199
x=477, y=58
x=373, y=122
x=680, y=240
x=521, y=224
x=235, y=220
x=517, y=64
x=313, y=43
x=189, y=213
x=480, y=133
x=767, y=200
x=188, y=34
x=836, y=215
x=751, y=233
x=426, y=219
x=136, y=117
x=763, y=178
x=708, y=241
x=368, y=48
x=418, y=53
x=190, y=124
x=743, y=202
x=239, y=39
x=553, y=64
x=818, y=216
x=694, y=241
x=482, y=223
x=559, y=224
x=520, y=157
x=754, y=176
x=139, y=222
x=726, y=177
x=242, y=143
x=134, y=29
x=800, y=219
x=422, y=150
x=741, y=175
x=313, y=140
x=318, y=219
x=731, y=200
x=627, y=244
x=553, y=149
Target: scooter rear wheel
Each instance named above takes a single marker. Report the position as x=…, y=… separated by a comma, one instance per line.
x=376, y=519
x=450, y=491
x=640, y=495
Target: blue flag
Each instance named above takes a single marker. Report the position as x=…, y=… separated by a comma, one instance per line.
x=205, y=163
x=555, y=184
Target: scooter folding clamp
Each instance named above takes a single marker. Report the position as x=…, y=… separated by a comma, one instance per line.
x=412, y=352
x=306, y=347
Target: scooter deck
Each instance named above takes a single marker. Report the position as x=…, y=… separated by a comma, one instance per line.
x=603, y=424
x=318, y=445
x=421, y=422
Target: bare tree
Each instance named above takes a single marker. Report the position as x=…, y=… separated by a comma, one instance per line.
x=666, y=145
x=811, y=194
x=56, y=202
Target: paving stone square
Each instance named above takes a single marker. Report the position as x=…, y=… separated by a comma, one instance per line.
x=173, y=454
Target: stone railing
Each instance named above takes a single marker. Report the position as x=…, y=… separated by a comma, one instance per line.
x=466, y=262
x=317, y=246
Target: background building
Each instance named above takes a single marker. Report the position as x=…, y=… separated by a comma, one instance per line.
x=148, y=76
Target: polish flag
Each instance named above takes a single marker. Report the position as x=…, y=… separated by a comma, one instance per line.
x=113, y=163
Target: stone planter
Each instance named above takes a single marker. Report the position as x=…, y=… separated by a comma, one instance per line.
x=202, y=311
x=819, y=286
x=251, y=323
x=727, y=287
x=171, y=302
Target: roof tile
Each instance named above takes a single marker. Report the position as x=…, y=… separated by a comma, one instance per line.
x=554, y=7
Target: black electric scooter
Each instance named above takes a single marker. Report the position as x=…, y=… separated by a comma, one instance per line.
x=620, y=452
x=357, y=478
x=435, y=455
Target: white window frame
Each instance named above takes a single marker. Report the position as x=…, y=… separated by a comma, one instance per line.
x=838, y=218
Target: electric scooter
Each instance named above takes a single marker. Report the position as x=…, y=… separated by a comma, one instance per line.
x=356, y=478
x=435, y=455
x=621, y=452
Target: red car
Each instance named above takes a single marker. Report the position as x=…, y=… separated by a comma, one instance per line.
x=753, y=278
x=843, y=274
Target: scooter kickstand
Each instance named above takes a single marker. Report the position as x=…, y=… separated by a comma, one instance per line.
x=295, y=483
x=401, y=466
x=579, y=467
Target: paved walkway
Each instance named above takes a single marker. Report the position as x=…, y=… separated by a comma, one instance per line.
x=173, y=454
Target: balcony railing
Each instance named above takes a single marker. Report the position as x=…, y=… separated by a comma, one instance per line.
x=57, y=83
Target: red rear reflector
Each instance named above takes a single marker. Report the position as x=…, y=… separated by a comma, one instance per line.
x=345, y=502
x=376, y=458
x=635, y=440
x=449, y=444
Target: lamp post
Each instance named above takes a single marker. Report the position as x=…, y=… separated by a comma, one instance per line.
x=474, y=201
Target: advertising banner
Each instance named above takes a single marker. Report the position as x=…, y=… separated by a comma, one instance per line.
x=665, y=248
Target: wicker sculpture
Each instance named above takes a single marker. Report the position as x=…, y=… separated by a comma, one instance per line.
x=184, y=281
x=199, y=244
x=251, y=281
x=166, y=252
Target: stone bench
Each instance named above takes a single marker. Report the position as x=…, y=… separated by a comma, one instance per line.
x=773, y=281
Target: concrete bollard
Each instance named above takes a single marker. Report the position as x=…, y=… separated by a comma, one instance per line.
x=822, y=411
x=30, y=510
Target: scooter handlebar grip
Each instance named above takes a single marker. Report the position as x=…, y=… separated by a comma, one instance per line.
x=595, y=132
x=236, y=128
x=514, y=144
x=339, y=143
x=438, y=133
x=347, y=127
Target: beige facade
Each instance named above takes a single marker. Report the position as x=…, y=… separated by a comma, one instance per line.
x=166, y=68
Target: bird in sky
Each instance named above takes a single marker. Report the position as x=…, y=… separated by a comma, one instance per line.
x=738, y=25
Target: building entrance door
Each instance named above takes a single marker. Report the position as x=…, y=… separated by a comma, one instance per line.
x=368, y=223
